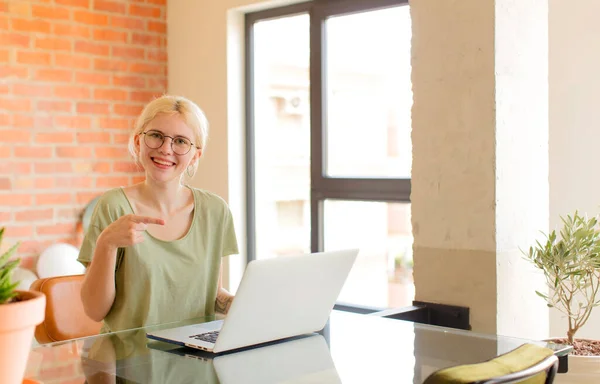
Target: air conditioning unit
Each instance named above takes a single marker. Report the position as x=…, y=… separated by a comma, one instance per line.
x=295, y=105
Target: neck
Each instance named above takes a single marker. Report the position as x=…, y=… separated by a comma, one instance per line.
x=165, y=197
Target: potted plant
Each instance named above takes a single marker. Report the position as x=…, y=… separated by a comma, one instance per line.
x=20, y=312
x=570, y=262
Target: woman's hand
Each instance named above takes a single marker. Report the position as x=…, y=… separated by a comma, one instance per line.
x=126, y=231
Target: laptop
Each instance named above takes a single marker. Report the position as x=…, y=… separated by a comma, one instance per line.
x=277, y=298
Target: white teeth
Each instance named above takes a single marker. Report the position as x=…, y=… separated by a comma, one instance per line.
x=163, y=162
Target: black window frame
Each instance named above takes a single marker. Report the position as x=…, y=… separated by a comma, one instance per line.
x=322, y=187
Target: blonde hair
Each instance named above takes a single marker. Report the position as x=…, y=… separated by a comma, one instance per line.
x=191, y=114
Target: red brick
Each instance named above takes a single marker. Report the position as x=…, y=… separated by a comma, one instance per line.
x=137, y=179
x=144, y=96
x=76, y=182
x=22, y=121
x=12, y=73
x=53, y=198
x=72, y=30
x=30, y=89
x=5, y=184
x=93, y=108
x=102, y=167
x=127, y=23
x=144, y=11
x=111, y=65
x=74, y=3
x=158, y=82
x=86, y=197
x=91, y=18
x=93, y=137
x=30, y=26
x=128, y=52
x=35, y=58
x=53, y=44
x=50, y=12
x=5, y=216
x=110, y=35
x=112, y=181
x=15, y=200
x=58, y=229
x=44, y=182
x=19, y=8
x=33, y=152
x=129, y=81
x=129, y=167
x=72, y=92
x=127, y=110
x=110, y=94
x=34, y=214
x=148, y=39
x=157, y=2
x=16, y=231
x=111, y=152
x=4, y=55
x=73, y=61
x=152, y=69
x=75, y=122
x=109, y=6
x=15, y=168
x=92, y=48
x=120, y=138
x=14, y=40
x=109, y=123
x=157, y=26
x=54, y=106
x=59, y=75
x=54, y=138
x=92, y=78
x=15, y=105
x=54, y=168
x=74, y=152
x=4, y=119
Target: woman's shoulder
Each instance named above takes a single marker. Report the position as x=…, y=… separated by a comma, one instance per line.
x=113, y=196
x=209, y=200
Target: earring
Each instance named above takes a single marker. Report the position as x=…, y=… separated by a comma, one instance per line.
x=190, y=172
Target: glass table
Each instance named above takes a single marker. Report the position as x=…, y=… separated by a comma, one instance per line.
x=352, y=348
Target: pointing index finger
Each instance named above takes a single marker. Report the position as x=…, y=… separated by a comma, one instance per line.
x=148, y=220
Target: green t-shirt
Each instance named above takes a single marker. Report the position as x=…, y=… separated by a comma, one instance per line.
x=160, y=281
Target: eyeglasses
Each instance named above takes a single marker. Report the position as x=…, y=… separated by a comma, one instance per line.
x=155, y=139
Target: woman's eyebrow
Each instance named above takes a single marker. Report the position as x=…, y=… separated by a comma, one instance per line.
x=162, y=133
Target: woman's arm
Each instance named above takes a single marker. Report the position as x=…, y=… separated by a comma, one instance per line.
x=98, y=288
x=224, y=298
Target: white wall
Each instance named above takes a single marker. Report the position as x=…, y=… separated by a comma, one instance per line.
x=574, y=73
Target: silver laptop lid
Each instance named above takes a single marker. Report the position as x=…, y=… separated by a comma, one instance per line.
x=284, y=297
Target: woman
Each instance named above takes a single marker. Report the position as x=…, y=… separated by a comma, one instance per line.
x=153, y=250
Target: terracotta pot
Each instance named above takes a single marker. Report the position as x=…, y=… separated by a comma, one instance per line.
x=17, y=324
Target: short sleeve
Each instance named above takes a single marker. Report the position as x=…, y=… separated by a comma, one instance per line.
x=230, y=245
x=107, y=210
x=89, y=243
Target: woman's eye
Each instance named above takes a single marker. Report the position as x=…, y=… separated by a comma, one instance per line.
x=155, y=135
x=181, y=141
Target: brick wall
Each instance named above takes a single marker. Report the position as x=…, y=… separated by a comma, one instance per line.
x=73, y=76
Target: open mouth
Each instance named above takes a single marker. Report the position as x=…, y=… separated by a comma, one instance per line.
x=162, y=163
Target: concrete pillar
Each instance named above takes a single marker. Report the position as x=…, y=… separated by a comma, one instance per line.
x=480, y=158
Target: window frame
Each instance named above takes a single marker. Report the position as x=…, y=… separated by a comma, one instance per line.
x=322, y=187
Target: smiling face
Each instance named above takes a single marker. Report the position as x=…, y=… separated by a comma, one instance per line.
x=162, y=164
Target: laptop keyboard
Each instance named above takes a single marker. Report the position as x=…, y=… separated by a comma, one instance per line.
x=209, y=337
